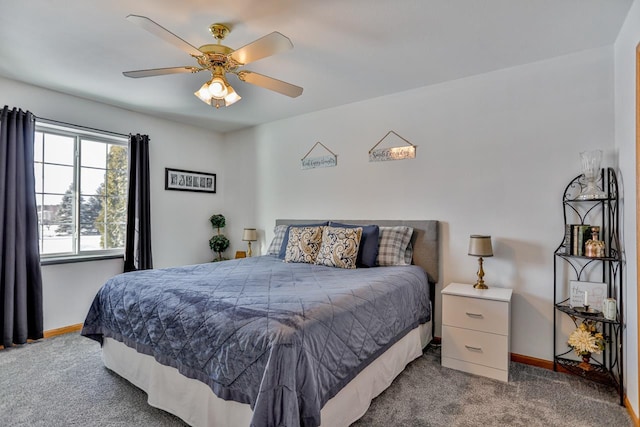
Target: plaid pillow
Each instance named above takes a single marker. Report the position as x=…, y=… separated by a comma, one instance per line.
x=276, y=243
x=408, y=254
x=393, y=246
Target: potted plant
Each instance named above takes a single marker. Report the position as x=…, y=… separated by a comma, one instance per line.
x=218, y=243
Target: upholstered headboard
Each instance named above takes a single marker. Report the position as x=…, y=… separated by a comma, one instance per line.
x=425, y=239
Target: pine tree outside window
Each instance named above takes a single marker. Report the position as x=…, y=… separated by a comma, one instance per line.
x=81, y=192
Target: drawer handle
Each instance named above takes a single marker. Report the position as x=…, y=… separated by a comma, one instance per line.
x=475, y=315
x=473, y=348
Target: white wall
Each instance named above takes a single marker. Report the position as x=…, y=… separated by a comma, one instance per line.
x=240, y=195
x=495, y=152
x=625, y=133
x=179, y=221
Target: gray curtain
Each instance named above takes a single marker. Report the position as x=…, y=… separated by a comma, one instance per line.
x=137, y=254
x=20, y=276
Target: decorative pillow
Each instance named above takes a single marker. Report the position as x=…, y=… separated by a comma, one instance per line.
x=339, y=247
x=303, y=244
x=276, y=243
x=408, y=254
x=393, y=243
x=368, y=252
x=285, y=241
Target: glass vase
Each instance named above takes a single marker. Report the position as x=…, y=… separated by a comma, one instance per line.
x=591, y=170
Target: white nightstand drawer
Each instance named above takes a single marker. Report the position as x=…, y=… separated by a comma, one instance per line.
x=474, y=313
x=476, y=347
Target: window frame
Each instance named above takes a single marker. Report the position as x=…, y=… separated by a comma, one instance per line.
x=78, y=134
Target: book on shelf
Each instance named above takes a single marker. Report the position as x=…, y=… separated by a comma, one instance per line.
x=568, y=229
x=574, y=238
x=580, y=233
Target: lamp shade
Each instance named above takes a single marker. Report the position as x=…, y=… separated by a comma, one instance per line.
x=250, y=235
x=203, y=94
x=480, y=246
x=218, y=88
x=232, y=97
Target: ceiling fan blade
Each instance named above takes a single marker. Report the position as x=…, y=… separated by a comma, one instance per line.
x=265, y=46
x=161, y=71
x=270, y=83
x=166, y=35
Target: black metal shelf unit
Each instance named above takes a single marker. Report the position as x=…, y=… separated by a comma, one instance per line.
x=606, y=368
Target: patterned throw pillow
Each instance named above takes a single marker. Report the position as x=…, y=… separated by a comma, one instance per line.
x=339, y=247
x=276, y=243
x=285, y=241
x=393, y=245
x=304, y=244
x=368, y=252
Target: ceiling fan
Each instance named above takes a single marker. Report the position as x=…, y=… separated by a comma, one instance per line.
x=220, y=60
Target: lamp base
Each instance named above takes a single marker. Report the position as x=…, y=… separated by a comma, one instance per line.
x=480, y=282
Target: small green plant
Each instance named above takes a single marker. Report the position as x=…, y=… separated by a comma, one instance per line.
x=218, y=243
x=218, y=221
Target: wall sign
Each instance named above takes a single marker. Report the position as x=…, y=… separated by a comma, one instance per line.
x=325, y=161
x=596, y=294
x=392, y=153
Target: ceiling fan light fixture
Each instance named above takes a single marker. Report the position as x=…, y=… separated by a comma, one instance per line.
x=218, y=88
x=220, y=60
x=204, y=94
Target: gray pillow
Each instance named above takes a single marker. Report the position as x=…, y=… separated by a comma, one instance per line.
x=394, y=244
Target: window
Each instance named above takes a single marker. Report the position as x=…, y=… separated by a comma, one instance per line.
x=81, y=192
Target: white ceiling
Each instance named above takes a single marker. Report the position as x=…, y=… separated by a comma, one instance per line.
x=344, y=50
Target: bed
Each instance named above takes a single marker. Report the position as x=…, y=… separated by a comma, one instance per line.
x=262, y=342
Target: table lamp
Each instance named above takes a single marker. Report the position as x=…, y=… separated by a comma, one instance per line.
x=480, y=246
x=249, y=235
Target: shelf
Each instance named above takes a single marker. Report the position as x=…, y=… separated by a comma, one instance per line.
x=597, y=373
x=606, y=199
x=602, y=213
x=574, y=313
x=611, y=259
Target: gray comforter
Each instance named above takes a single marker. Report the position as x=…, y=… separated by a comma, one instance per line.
x=283, y=337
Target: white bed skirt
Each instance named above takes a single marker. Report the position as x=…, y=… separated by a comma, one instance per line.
x=197, y=405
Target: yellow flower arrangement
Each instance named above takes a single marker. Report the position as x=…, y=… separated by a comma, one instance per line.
x=586, y=339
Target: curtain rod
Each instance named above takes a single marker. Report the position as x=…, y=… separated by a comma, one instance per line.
x=43, y=119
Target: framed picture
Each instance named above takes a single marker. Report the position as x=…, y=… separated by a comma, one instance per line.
x=182, y=180
x=596, y=294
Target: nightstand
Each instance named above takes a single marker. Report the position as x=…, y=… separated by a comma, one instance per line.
x=476, y=330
